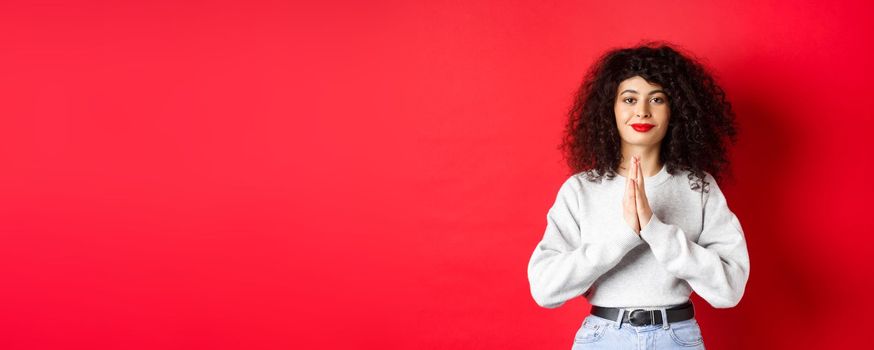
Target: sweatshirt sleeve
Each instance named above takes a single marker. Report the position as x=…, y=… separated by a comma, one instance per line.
x=567, y=261
x=717, y=266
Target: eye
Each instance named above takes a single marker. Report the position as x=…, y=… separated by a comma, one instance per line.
x=658, y=100
x=628, y=100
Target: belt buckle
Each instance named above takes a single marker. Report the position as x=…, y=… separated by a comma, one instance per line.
x=637, y=317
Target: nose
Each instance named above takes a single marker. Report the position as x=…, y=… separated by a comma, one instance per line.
x=642, y=110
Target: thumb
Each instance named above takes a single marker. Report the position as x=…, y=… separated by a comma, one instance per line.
x=634, y=202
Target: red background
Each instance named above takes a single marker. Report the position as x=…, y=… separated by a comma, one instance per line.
x=272, y=175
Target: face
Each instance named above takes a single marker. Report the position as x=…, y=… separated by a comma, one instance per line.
x=642, y=112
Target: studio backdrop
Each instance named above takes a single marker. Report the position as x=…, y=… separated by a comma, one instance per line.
x=376, y=174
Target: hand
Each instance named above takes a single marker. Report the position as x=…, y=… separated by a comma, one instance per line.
x=629, y=200
x=644, y=211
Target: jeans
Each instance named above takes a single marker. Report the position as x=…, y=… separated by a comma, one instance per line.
x=601, y=333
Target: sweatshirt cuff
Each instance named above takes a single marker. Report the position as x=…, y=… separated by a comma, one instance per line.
x=628, y=239
x=654, y=229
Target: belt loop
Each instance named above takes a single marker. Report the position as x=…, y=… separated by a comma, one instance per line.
x=619, y=319
x=664, y=318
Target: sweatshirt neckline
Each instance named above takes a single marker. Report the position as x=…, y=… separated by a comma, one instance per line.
x=656, y=179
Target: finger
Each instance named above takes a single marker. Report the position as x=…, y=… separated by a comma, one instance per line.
x=642, y=209
x=633, y=175
x=629, y=179
x=640, y=204
x=636, y=191
x=640, y=176
x=632, y=200
x=628, y=182
x=642, y=186
x=640, y=190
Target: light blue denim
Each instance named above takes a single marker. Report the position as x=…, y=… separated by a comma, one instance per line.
x=599, y=333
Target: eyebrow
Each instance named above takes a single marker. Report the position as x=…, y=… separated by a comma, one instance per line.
x=651, y=92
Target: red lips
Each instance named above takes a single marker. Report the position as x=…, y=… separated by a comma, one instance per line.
x=642, y=127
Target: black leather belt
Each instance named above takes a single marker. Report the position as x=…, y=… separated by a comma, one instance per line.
x=642, y=317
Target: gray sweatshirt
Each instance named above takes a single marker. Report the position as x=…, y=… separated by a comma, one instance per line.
x=693, y=242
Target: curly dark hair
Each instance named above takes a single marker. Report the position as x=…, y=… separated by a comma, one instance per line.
x=701, y=121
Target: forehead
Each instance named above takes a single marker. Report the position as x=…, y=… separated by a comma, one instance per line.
x=638, y=84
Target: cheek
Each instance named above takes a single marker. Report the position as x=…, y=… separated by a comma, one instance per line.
x=620, y=111
x=666, y=121
x=665, y=114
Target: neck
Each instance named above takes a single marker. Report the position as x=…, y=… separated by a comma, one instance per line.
x=649, y=159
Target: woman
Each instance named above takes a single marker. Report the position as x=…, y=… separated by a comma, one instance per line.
x=642, y=222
